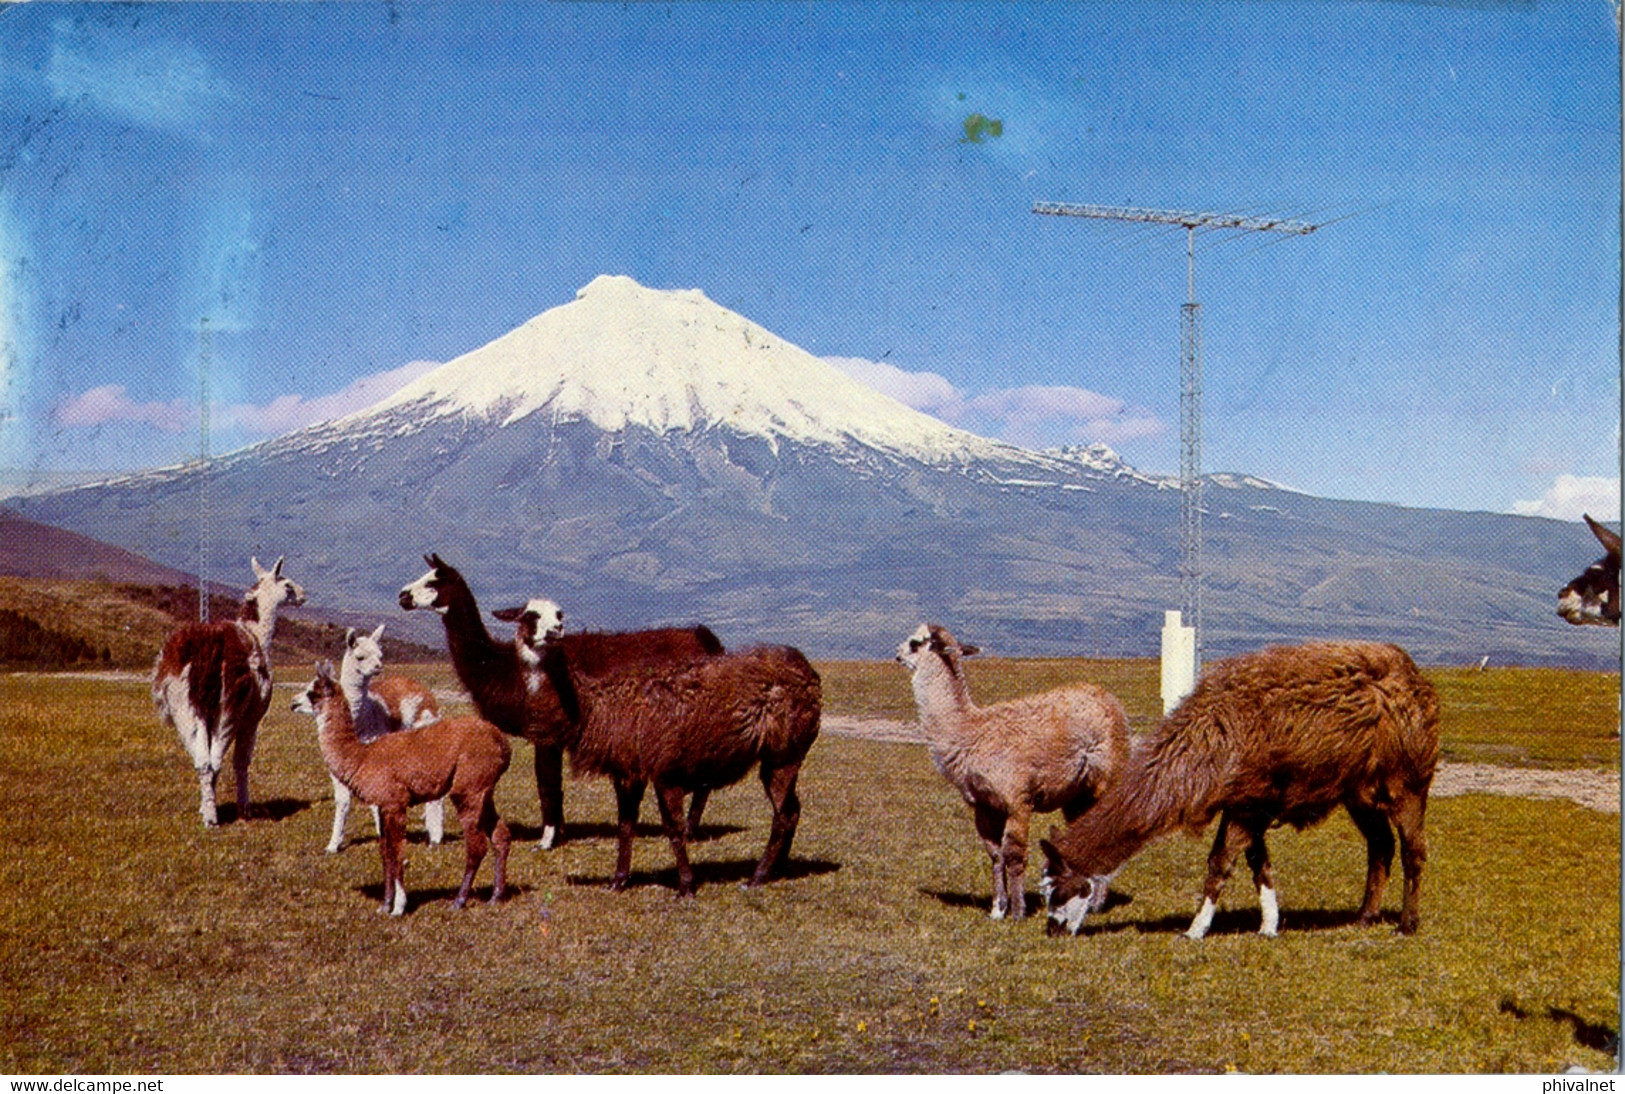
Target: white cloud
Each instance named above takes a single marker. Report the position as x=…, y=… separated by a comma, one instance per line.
x=289, y=412
x=1572, y=495
x=1033, y=416
x=111, y=403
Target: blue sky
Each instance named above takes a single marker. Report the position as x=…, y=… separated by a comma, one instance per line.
x=351, y=191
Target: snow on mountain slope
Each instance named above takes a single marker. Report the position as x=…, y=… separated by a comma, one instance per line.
x=621, y=355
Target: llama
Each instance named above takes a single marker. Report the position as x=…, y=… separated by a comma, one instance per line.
x=380, y=704
x=1059, y=750
x=212, y=685
x=1593, y=597
x=457, y=757
x=541, y=621
x=1283, y=736
x=507, y=693
x=684, y=727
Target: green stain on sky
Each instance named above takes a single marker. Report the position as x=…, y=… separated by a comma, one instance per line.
x=979, y=127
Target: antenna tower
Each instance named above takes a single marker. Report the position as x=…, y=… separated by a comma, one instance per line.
x=205, y=362
x=1190, y=372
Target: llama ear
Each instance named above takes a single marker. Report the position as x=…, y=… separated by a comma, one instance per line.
x=324, y=670
x=969, y=651
x=276, y=571
x=508, y=615
x=1606, y=536
x=349, y=638
x=378, y=635
x=259, y=571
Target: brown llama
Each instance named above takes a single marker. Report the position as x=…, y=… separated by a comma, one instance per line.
x=460, y=758
x=507, y=691
x=686, y=727
x=212, y=685
x=1278, y=737
x=1593, y=597
x=1059, y=750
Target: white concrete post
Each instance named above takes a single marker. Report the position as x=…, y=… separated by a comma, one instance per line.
x=1178, y=660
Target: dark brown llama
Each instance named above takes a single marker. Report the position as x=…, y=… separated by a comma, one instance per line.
x=1593, y=597
x=682, y=728
x=1278, y=737
x=507, y=690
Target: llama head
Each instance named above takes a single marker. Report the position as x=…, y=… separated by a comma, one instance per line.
x=1069, y=894
x=932, y=640
x=271, y=590
x=317, y=692
x=363, y=654
x=1593, y=597
x=534, y=624
x=434, y=589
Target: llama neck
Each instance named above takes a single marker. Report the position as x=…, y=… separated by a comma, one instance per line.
x=489, y=669
x=258, y=617
x=1158, y=791
x=942, y=697
x=342, y=750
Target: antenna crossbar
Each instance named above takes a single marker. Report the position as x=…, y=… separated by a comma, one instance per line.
x=1187, y=220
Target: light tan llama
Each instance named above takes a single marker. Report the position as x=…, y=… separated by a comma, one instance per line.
x=457, y=757
x=1059, y=750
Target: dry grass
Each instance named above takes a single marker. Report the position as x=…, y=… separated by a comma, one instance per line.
x=132, y=940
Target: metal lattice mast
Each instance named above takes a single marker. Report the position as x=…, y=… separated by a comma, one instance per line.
x=205, y=361
x=1190, y=372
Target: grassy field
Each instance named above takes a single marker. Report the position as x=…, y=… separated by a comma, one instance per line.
x=133, y=940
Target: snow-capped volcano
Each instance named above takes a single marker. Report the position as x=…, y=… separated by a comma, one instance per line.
x=623, y=355
x=646, y=457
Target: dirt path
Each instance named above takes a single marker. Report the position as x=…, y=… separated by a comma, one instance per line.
x=1592, y=788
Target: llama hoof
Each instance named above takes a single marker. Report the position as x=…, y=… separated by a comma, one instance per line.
x=459, y=904
x=617, y=884
x=997, y=913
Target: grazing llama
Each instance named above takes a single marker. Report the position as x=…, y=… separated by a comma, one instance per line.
x=703, y=724
x=1593, y=597
x=506, y=690
x=460, y=758
x=380, y=704
x=212, y=685
x=1059, y=750
x=1278, y=737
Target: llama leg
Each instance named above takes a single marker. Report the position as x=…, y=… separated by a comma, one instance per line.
x=206, y=779
x=434, y=819
x=242, y=752
x=472, y=814
x=500, y=840
x=1230, y=838
x=1379, y=857
x=1409, y=814
x=389, y=846
x=990, y=826
x=780, y=784
x=341, y=815
x=628, y=797
x=696, y=806
x=670, y=799
x=1258, y=860
x=1014, y=852
x=550, y=793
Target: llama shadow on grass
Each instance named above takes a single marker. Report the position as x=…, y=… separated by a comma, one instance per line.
x=273, y=809
x=575, y=832
x=1243, y=921
x=1592, y=1035
x=1035, y=902
x=444, y=894
x=710, y=873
